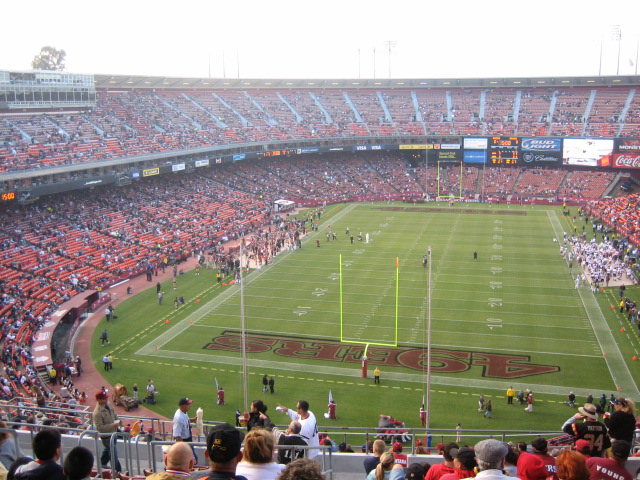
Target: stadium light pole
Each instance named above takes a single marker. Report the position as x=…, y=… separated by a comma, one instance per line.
x=390, y=44
x=428, y=406
x=616, y=33
x=243, y=333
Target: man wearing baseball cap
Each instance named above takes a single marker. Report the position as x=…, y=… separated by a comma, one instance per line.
x=182, y=422
x=107, y=423
x=490, y=458
x=401, y=458
x=611, y=468
x=224, y=454
x=583, y=446
x=585, y=425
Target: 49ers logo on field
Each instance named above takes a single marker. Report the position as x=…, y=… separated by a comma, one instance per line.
x=626, y=160
x=494, y=365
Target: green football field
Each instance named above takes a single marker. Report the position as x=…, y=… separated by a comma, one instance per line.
x=513, y=317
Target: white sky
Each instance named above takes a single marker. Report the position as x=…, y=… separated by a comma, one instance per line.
x=326, y=39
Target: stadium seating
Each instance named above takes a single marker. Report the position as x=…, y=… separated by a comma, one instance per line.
x=127, y=123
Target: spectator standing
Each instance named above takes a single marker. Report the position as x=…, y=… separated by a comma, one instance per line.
x=309, y=425
x=622, y=422
x=585, y=425
x=257, y=416
x=78, y=365
x=182, y=422
x=272, y=384
x=107, y=423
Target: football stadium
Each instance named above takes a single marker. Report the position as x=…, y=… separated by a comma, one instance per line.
x=423, y=261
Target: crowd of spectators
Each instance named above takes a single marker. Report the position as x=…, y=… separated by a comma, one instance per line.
x=619, y=213
x=136, y=122
x=62, y=245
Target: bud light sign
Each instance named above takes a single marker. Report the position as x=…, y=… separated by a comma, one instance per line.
x=541, y=145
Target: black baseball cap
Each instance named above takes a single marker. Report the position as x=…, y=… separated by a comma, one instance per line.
x=224, y=443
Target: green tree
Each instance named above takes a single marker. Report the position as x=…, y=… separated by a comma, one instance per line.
x=49, y=58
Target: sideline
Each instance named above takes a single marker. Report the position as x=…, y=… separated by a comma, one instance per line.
x=618, y=368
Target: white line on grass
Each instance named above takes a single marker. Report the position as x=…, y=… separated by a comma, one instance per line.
x=356, y=371
x=230, y=292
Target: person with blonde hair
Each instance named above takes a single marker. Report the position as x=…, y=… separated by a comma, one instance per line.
x=258, y=456
x=622, y=422
x=386, y=469
x=571, y=465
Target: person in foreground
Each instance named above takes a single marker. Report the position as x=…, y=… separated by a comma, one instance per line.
x=490, y=456
x=223, y=451
x=179, y=462
x=47, y=447
x=78, y=463
x=302, y=469
x=611, y=468
x=572, y=465
x=257, y=457
x=387, y=469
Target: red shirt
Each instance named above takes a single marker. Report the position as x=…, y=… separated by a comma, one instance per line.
x=536, y=466
x=458, y=475
x=438, y=470
x=607, y=469
x=401, y=459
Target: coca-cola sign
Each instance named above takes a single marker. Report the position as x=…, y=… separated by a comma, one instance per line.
x=625, y=160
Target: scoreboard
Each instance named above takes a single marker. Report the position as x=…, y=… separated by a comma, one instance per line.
x=504, y=150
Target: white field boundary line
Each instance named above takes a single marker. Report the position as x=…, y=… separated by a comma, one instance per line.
x=618, y=368
x=190, y=320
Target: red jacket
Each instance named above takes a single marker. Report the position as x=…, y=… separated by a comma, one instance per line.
x=536, y=466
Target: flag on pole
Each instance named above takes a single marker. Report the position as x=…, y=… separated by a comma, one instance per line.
x=217, y=384
x=330, y=397
x=396, y=262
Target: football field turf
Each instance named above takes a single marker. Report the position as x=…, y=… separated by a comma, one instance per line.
x=511, y=317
